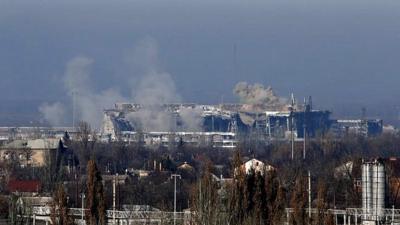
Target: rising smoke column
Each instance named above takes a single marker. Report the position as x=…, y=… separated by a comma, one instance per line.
x=152, y=90
x=89, y=104
x=53, y=113
x=192, y=119
x=155, y=89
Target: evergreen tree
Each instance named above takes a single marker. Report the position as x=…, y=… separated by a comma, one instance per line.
x=278, y=207
x=236, y=192
x=260, y=200
x=248, y=202
x=249, y=192
x=276, y=198
x=95, y=196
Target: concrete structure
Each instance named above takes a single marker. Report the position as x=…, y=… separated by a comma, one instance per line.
x=173, y=139
x=8, y=134
x=297, y=121
x=364, y=127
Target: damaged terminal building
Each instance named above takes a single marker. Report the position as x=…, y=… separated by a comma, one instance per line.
x=222, y=125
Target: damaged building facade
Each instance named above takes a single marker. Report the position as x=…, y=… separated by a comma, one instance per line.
x=222, y=125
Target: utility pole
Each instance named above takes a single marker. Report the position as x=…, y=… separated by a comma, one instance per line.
x=114, y=194
x=304, y=141
x=73, y=110
x=292, y=134
x=174, y=176
x=304, y=129
x=292, y=124
x=392, y=215
x=309, y=195
x=83, y=205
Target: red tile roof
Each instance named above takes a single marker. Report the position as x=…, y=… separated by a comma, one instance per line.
x=24, y=185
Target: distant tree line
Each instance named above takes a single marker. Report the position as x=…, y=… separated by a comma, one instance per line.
x=253, y=198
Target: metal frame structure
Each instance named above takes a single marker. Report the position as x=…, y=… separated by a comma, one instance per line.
x=349, y=216
x=122, y=217
x=354, y=216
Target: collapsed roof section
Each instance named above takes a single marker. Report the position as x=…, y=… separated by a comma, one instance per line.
x=233, y=118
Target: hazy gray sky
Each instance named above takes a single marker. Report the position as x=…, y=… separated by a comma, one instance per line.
x=339, y=51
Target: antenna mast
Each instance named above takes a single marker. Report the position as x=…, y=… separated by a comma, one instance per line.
x=293, y=102
x=304, y=128
x=73, y=109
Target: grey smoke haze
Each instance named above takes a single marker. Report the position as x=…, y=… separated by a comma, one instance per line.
x=192, y=119
x=89, y=104
x=153, y=119
x=154, y=89
x=77, y=75
x=53, y=113
x=342, y=52
x=155, y=86
x=78, y=80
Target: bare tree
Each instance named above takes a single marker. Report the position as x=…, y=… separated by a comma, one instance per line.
x=320, y=216
x=206, y=200
x=59, y=208
x=27, y=155
x=299, y=202
x=85, y=145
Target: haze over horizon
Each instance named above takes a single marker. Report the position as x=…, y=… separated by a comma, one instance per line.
x=343, y=53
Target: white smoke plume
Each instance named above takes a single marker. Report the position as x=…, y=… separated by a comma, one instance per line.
x=153, y=91
x=156, y=89
x=144, y=56
x=53, y=113
x=89, y=105
x=257, y=94
x=77, y=75
x=152, y=119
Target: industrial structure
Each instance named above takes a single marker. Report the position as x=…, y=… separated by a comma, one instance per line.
x=364, y=127
x=224, y=123
x=221, y=125
x=373, y=190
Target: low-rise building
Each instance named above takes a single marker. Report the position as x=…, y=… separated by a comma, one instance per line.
x=34, y=153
